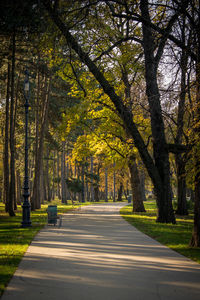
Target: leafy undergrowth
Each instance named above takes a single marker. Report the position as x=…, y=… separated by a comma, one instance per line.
x=176, y=237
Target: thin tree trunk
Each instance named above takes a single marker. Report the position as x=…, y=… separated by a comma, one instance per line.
x=63, y=183
x=6, y=145
x=42, y=183
x=114, y=184
x=12, y=138
x=83, y=183
x=54, y=172
x=19, y=188
x=92, y=180
x=66, y=176
x=106, y=184
x=47, y=177
x=58, y=176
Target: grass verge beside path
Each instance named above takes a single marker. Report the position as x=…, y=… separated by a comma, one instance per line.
x=176, y=237
x=15, y=240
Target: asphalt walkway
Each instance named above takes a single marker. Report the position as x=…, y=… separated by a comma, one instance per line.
x=96, y=255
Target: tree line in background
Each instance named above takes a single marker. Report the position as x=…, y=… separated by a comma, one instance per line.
x=114, y=102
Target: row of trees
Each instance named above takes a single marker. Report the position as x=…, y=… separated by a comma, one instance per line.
x=90, y=70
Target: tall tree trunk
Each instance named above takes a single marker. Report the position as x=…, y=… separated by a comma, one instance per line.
x=114, y=184
x=36, y=200
x=54, y=172
x=43, y=194
x=12, y=191
x=63, y=182
x=6, y=145
x=137, y=196
x=83, y=183
x=92, y=180
x=180, y=159
x=195, y=240
x=160, y=152
x=47, y=176
x=66, y=176
x=58, y=176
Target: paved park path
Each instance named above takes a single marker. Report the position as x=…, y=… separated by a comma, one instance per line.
x=96, y=255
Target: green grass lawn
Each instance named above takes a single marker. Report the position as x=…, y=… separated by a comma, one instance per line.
x=15, y=240
x=176, y=237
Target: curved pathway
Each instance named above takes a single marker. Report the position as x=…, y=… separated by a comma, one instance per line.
x=96, y=255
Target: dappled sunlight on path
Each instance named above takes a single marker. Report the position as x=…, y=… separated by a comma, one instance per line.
x=97, y=255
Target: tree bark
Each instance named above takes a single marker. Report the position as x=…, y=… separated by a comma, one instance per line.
x=181, y=159
x=19, y=188
x=142, y=182
x=106, y=184
x=6, y=145
x=138, y=205
x=96, y=194
x=36, y=200
x=181, y=189
x=54, y=172
x=63, y=177
x=12, y=191
x=58, y=176
x=83, y=183
x=160, y=152
x=120, y=190
x=92, y=180
x=195, y=240
x=114, y=184
x=47, y=177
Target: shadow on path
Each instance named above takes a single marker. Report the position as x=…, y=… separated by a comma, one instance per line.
x=97, y=255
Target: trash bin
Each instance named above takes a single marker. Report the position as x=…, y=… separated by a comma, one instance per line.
x=129, y=198
x=52, y=214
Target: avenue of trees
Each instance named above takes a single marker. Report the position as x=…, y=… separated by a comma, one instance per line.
x=114, y=102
